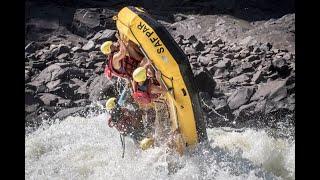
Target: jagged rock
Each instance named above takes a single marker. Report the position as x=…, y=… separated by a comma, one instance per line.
x=55, y=51
x=256, y=50
x=244, y=53
x=49, y=99
x=67, y=112
x=198, y=46
x=192, y=39
x=76, y=49
x=81, y=102
x=90, y=20
x=30, y=97
x=219, y=104
x=204, y=60
x=65, y=90
x=89, y=46
x=205, y=52
x=279, y=63
x=204, y=81
x=251, y=58
x=281, y=66
x=239, y=79
x=273, y=89
x=240, y=97
x=63, y=56
x=257, y=77
x=245, y=111
x=50, y=73
x=260, y=106
x=101, y=87
x=53, y=84
x=215, y=49
x=246, y=67
x=221, y=73
x=235, y=49
x=31, y=108
x=229, y=56
x=90, y=65
x=76, y=83
x=190, y=50
x=36, y=118
x=32, y=47
x=217, y=42
x=185, y=42
x=225, y=63
x=219, y=54
x=102, y=36
x=37, y=64
x=287, y=56
x=265, y=47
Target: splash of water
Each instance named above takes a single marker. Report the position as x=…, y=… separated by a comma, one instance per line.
x=86, y=148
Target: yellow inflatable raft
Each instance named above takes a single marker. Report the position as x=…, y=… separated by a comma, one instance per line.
x=158, y=46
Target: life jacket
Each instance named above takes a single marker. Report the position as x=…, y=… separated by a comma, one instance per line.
x=128, y=65
x=125, y=124
x=142, y=93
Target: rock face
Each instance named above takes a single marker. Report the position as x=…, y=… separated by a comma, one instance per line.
x=245, y=71
x=240, y=97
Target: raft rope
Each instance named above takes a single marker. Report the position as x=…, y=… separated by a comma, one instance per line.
x=123, y=144
x=213, y=110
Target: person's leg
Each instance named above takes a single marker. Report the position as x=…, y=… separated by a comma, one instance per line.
x=124, y=96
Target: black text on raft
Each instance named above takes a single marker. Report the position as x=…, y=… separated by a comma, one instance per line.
x=152, y=36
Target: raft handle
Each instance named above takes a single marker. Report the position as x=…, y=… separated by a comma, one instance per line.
x=184, y=92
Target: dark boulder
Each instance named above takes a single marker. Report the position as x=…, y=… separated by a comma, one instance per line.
x=67, y=112
x=240, y=97
x=224, y=64
x=204, y=81
x=104, y=35
x=272, y=89
x=198, y=46
x=240, y=79
x=101, y=87
x=89, y=46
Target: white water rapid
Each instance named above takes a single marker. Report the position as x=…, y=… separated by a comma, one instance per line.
x=86, y=148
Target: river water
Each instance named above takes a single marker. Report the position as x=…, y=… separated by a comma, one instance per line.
x=86, y=148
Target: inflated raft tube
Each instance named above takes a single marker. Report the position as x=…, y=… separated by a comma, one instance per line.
x=159, y=46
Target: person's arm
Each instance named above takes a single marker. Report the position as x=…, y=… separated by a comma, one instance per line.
x=119, y=55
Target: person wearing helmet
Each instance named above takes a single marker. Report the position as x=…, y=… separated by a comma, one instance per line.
x=122, y=58
x=145, y=87
x=126, y=121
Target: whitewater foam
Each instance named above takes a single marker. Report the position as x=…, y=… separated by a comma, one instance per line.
x=86, y=148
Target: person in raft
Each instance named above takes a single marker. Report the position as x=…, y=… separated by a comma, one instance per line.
x=128, y=122
x=146, y=87
x=123, y=58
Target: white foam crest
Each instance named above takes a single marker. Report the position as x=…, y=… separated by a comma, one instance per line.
x=86, y=148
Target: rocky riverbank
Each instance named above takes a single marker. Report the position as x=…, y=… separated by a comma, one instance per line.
x=245, y=70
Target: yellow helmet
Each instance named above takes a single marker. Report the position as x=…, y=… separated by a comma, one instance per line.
x=111, y=103
x=146, y=143
x=106, y=47
x=139, y=74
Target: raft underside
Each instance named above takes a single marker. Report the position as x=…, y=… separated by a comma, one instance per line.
x=183, y=68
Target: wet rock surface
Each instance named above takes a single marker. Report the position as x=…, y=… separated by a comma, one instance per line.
x=244, y=68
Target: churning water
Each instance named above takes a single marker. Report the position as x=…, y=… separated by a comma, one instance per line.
x=86, y=148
